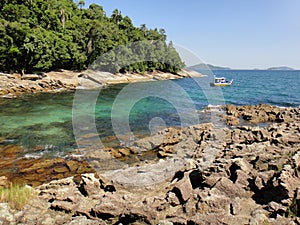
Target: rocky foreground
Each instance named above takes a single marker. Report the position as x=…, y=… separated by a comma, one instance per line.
x=240, y=174
x=12, y=85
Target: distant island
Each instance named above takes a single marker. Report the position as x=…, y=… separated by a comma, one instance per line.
x=203, y=66
x=280, y=68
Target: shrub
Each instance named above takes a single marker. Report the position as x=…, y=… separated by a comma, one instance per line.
x=16, y=195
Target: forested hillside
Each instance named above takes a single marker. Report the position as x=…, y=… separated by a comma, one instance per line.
x=43, y=35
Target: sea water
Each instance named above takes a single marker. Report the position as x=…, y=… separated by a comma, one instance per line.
x=43, y=124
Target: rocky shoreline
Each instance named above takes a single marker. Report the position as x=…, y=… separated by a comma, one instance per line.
x=239, y=174
x=13, y=85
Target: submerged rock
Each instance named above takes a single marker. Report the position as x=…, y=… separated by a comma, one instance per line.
x=237, y=175
x=38, y=171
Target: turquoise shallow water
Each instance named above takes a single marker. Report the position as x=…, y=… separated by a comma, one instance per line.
x=43, y=123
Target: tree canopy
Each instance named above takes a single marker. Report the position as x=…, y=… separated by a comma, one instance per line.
x=61, y=34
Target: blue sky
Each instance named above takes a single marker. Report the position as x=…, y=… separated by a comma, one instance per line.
x=241, y=34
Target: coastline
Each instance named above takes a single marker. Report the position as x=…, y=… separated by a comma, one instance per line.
x=13, y=85
x=240, y=174
x=243, y=172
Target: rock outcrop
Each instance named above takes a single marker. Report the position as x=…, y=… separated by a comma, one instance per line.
x=260, y=114
x=12, y=85
x=233, y=175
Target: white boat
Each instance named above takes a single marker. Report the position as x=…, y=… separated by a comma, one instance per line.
x=221, y=81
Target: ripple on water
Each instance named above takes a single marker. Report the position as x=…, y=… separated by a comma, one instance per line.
x=45, y=120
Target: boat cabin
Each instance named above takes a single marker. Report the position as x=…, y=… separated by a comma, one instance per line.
x=220, y=80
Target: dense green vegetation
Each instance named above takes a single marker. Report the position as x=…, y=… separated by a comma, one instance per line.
x=61, y=34
x=281, y=68
x=203, y=66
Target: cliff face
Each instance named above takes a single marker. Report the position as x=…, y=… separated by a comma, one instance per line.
x=205, y=175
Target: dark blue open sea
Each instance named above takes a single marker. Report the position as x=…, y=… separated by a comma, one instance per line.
x=45, y=121
x=281, y=88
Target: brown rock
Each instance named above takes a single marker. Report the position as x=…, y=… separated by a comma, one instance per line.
x=10, y=151
x=144, y=144
x=61, y=169
x=288, y=181
x=243, y=207
x=232, y=121
x=289, y=139
x=183, y=188
x=266, y=176
x=64, y=206
x=114, y=152
x=124, y=151
x=212, y=180
x=242, y=178
x=91, y=185
x=144, y=213
x=229, y=189
x=42, y=164
x=276, y=207
x=296, y=159
x=72, y=165
x=231, y=110
x=84, y=167
x=190, y=208
x=245, y=182
x=259, y=183
x=83, y=220
x=162, y=154
x=249, y=116
x=241, y=136
x=172, y=199
x=33, y=77
x=109, y=206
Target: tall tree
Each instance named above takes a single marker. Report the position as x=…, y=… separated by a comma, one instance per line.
x=51, y=34
x=81, y=4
